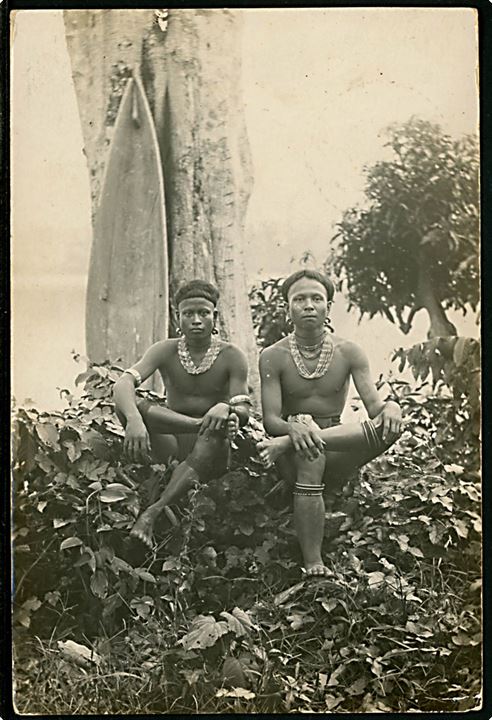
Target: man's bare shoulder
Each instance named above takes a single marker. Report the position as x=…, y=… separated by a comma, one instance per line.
x=274, y=354
x=164, y=349
x=232, y=352
x=351, y=351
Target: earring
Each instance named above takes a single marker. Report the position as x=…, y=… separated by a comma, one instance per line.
x=179, y=332
x=215, y=331
x=328, y=325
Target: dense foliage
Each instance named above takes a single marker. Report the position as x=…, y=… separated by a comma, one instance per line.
x=414, y=244
x=217, y=619
x=269, y=312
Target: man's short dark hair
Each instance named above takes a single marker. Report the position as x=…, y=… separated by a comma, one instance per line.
x=197, y=289
x=311, y=275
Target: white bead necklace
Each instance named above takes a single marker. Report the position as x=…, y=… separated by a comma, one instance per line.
x=324, y=361
x=207, y=361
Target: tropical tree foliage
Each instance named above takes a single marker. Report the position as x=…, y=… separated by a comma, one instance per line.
x=269, y=312
x=414, y=243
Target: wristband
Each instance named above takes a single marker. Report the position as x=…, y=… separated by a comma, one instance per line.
x=135, y=375
x=239, y=400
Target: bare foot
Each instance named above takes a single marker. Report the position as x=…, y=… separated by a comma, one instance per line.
x=144, y=529
x=317, y=570
x=270, y=450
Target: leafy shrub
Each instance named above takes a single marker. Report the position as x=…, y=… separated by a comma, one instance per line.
x=269, y=312
x=215, y=619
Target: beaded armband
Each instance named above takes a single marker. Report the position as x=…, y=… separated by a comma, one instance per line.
x=135, y=375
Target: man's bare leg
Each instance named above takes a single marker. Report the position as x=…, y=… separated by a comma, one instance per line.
x=162, y=420
x=309, y=513
x=186, y=475
x=350, y=437
x=182, y=479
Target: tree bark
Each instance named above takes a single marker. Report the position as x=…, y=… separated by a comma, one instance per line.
x=192, y=75
x=439, y=326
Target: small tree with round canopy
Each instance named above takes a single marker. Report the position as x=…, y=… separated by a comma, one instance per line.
x=414, y=245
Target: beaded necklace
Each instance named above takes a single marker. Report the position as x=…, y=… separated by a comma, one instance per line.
x=325, y=357
x=207, y=361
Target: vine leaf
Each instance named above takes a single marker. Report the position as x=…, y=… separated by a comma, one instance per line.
x=204, y=633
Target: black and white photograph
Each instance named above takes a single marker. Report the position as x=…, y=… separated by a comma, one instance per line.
x=246, y=382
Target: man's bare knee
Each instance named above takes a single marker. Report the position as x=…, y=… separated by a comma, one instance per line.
x=206, y=452
x=310, y=471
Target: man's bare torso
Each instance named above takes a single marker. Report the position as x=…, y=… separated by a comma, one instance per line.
x=194, y=395
x=319, y=397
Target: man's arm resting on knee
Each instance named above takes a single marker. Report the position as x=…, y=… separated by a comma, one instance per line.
x=390, y=411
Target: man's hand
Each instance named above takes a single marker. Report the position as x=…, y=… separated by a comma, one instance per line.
x=391, y=420
x=215, y=419
x=232, y=426
x=305, y=440
x=137, y=441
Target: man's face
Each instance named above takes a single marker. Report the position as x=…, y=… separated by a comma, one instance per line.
x=196, y=318
x=308, y=304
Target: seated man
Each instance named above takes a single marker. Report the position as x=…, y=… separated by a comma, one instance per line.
x=304, y=384
x=206, y=401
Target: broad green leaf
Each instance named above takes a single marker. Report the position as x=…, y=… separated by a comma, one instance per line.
x=61, y=522
x=70, y=542
x=171, y=564
x=110, y=495
x=144, y=575
x=48, y=434
x=99, y=583
x=234, y=624
x=244, y=618
x=204, y=633
x=32, y=604
x=375, y=579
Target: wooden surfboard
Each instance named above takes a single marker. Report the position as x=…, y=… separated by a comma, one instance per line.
x=127, y=301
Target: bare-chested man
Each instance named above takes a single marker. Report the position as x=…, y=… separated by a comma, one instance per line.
x=304, y=384
x=206, y=401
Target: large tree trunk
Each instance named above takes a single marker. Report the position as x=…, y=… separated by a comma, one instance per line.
x=439, y=326
x=191, y=72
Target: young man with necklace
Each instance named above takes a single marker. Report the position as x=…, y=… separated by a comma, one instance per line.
x=304, y=384
x=206, y=401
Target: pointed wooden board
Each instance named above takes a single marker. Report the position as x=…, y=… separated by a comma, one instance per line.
x=127, y=290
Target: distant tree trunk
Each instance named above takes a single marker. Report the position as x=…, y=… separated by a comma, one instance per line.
x=191, y=71
x=439, y=326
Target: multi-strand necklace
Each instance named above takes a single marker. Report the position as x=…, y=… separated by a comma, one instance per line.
x=207, y=361
x=324, y=349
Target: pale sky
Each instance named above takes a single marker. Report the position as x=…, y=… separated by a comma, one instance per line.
x=319, y=87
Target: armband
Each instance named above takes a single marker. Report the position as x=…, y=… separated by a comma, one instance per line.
x=239, y=400
x=135, y=375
